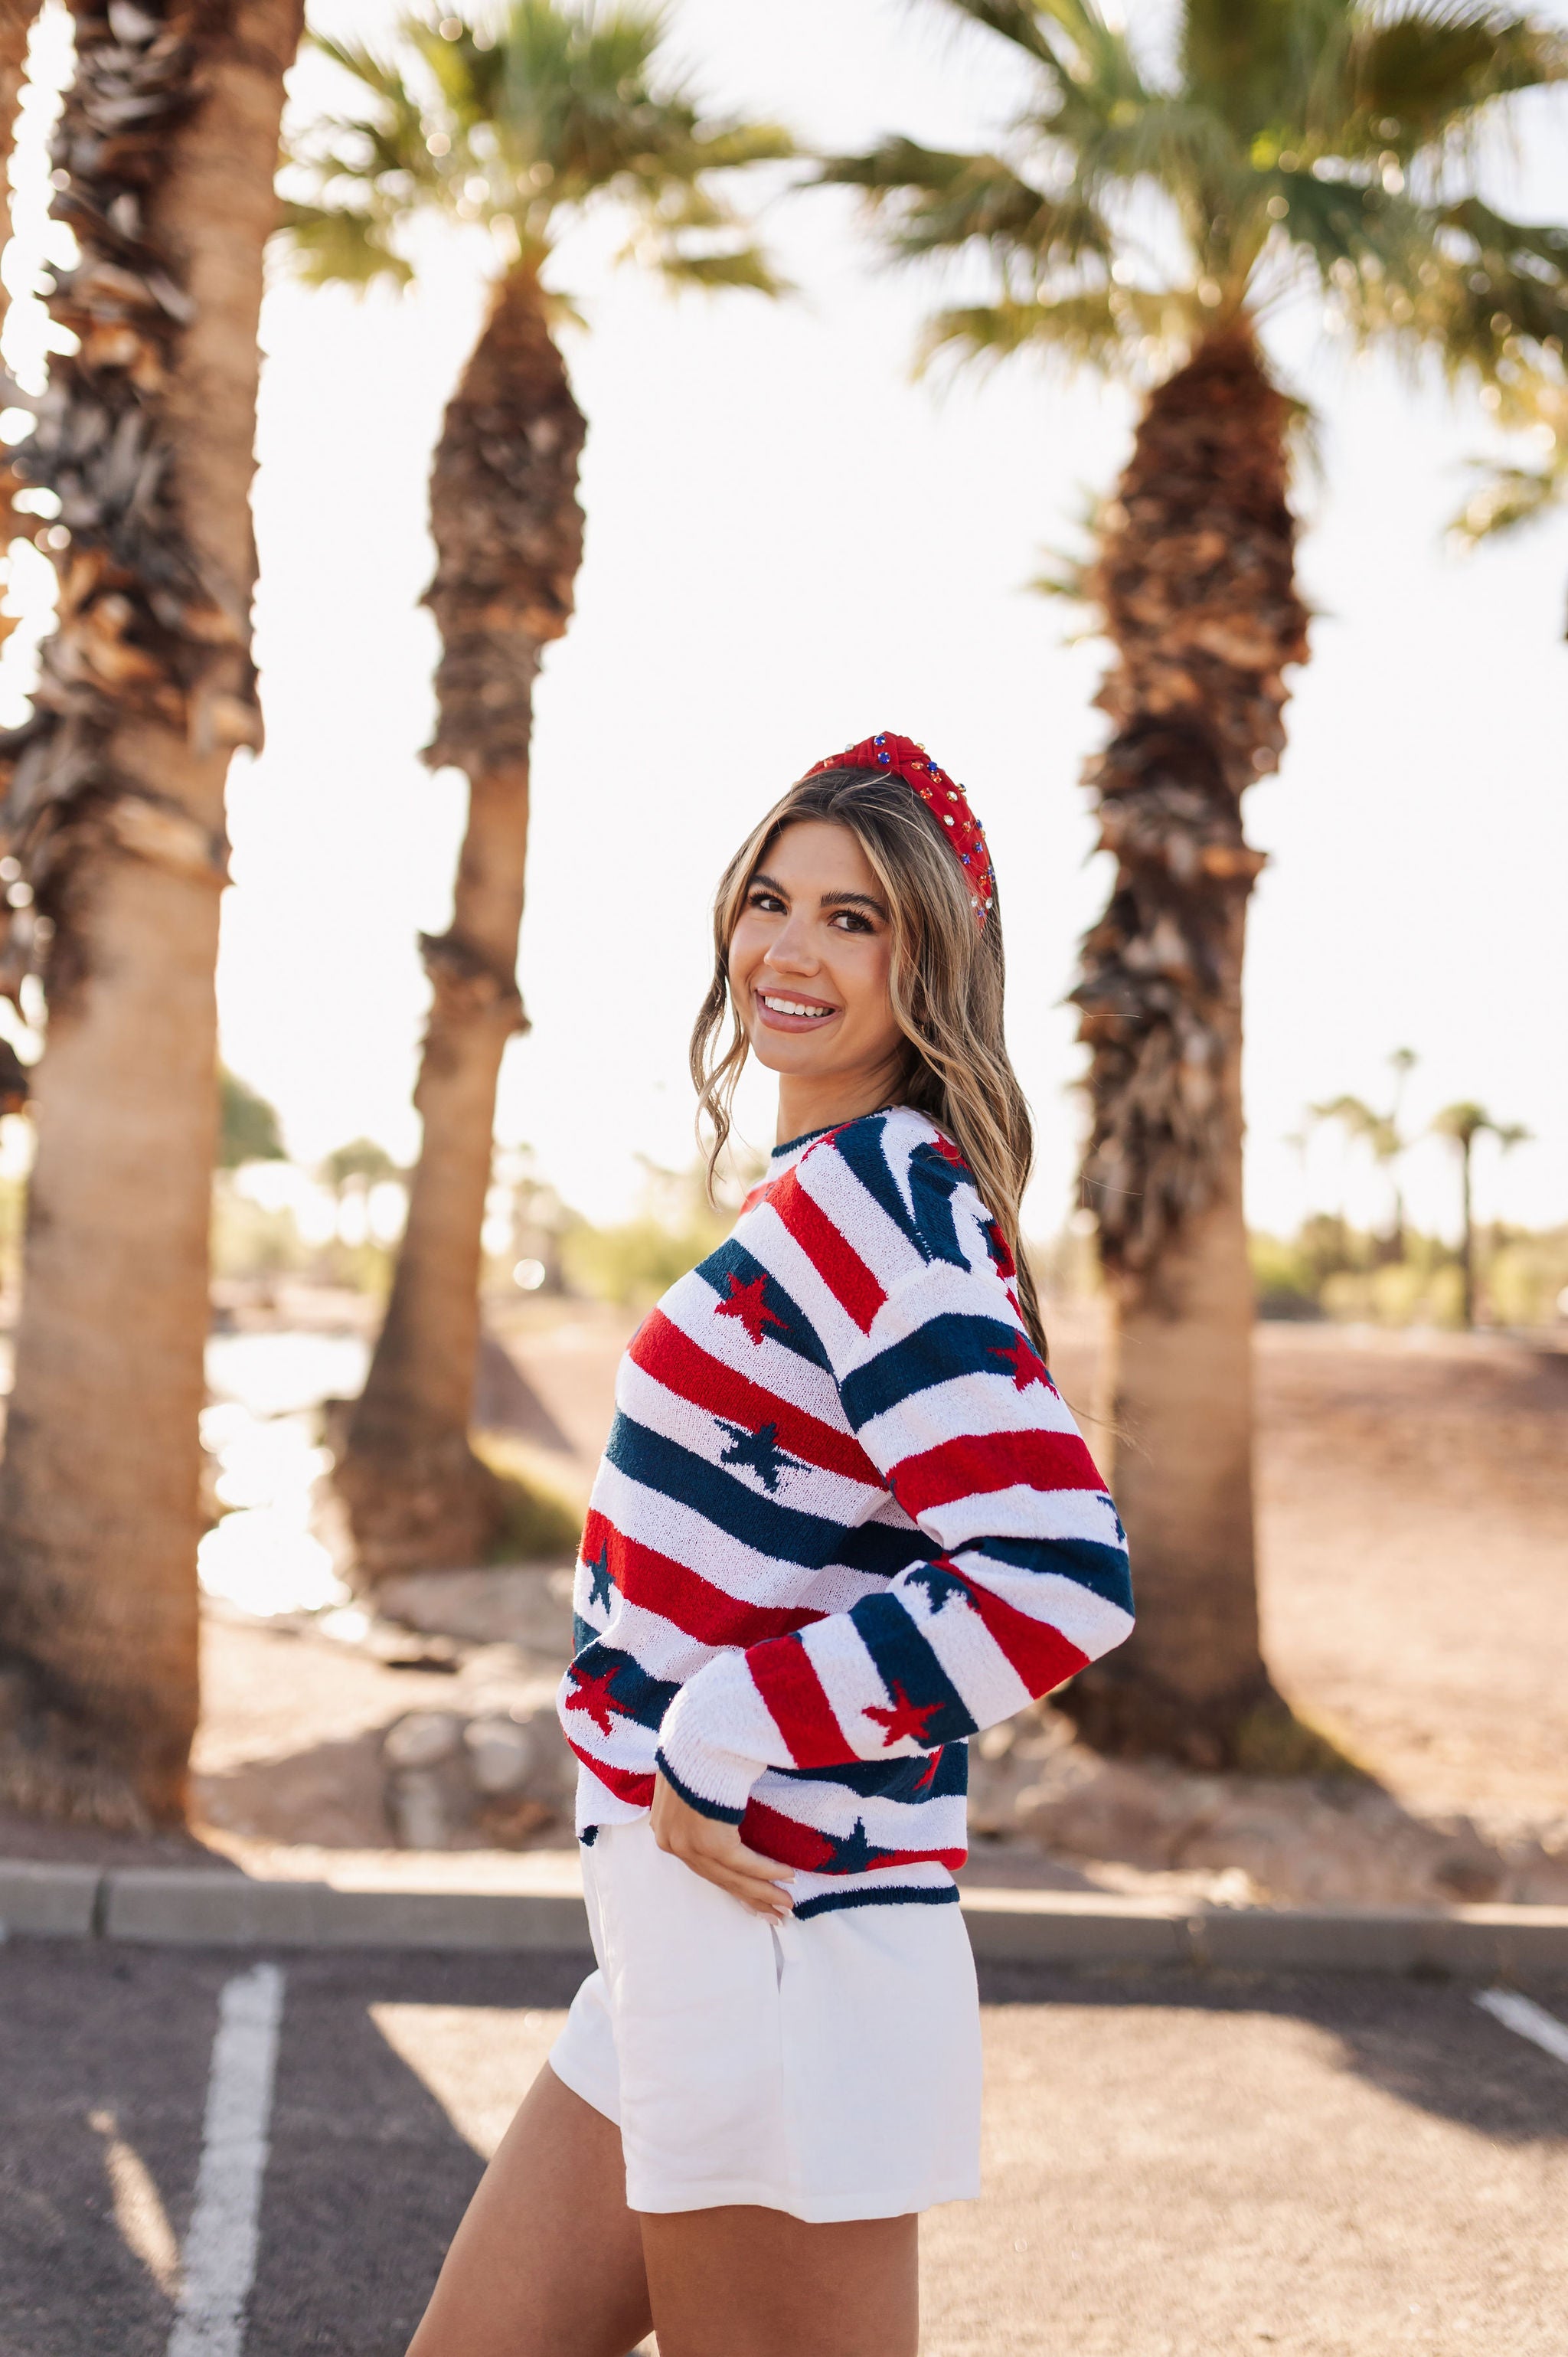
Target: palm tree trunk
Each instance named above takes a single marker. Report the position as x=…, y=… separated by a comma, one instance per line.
x=1195, y=579
x=16, y=29
x=114, y=807
x=509, y=537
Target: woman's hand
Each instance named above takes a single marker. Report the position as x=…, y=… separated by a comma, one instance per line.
x=716, y=1851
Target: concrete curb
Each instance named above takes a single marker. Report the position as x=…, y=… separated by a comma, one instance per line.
x=182, y=1907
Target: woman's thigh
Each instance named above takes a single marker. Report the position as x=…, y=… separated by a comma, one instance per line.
x=741, y=2282
x=548, y=2260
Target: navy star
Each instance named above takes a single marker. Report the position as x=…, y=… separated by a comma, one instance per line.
x=759, y=1451
x=850, y=1852
x=1114, y=1516
x=601, y=1586
x=940, y=1584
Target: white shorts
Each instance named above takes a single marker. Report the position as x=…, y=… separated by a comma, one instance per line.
x=830, y=2068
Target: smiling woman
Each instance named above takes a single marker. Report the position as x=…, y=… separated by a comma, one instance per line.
x=844, y=1521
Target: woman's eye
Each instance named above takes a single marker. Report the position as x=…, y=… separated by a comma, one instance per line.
x=850, y=920
x=768, y=902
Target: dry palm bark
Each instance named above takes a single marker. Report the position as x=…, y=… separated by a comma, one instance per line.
x=1196, y=581
x=114, y=810
x=509, y=538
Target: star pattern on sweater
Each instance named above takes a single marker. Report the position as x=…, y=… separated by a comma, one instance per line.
x=1021, y=1361
x=746, y=1303
x=928, y=1775
x=593, y=1695
x=904, y=1718
x=759, y=1451
x=850, y=1853
x=940, y=1584
x=1110, y=1505
x=601, y=1586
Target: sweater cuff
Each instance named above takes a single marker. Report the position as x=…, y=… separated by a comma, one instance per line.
x=709, y=1740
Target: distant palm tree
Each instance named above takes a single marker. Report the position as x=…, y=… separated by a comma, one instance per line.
x=1380, y=1133
x=562, y=111
x=1147, y=217
x=1463, y=1123
x=112, y=831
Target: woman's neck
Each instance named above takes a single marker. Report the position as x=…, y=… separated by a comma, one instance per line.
x=807, y=1105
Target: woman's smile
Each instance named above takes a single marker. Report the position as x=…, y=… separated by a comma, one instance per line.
x=790, y=1011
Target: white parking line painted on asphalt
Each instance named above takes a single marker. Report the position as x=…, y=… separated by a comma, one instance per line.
x=221, y=2248
x=1530, y=2020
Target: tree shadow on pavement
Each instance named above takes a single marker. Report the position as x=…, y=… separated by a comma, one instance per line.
x=1422, y=2039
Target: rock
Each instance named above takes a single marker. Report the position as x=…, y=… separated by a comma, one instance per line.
x=516, y=1604
x=421, y=1739
x=419, y=1804
x=500, y=1776
x=500, y=1754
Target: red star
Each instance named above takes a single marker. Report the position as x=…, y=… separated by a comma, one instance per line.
x=746, y=1303
x=932, y=1764
x=1026, y=1367
x=905, y=1718
x=593, y=1695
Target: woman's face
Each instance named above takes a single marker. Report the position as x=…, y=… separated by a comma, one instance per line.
x=810, y=962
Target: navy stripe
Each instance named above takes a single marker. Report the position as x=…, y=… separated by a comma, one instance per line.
x=862, y=1146
x=894, y=1779
x=1102, y=1569
x=796, y=1333
x=632, y=1693
x=908, y=1897
x=904, y=1659
x=698, y=1801
x=936, y=1352
x=583, y=1634
x=881, y=1549
x=933, y=1182
x=722, y=1498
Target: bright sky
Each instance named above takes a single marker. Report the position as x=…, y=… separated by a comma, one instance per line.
x=792, y=543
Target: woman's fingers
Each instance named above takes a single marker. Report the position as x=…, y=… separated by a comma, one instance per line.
x=712, y=1847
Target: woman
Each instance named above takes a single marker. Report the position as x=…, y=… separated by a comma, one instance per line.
x=843, y=1520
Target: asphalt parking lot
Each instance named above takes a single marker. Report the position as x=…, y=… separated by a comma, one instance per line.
x=1177, y=2167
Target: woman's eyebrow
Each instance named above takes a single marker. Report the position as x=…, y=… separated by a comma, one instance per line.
x=851, y=900
x=772, y=883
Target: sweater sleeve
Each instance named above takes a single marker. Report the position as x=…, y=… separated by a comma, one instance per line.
x=1021, y=1580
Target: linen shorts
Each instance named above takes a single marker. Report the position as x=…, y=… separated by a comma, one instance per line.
x=828, y=2068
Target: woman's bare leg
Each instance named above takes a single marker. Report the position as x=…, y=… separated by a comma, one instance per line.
x=756, y=2283
x=548, y=2259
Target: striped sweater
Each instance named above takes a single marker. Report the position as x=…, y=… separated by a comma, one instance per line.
x=843, y=1520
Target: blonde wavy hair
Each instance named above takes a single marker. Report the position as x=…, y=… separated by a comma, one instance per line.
x=946, y=985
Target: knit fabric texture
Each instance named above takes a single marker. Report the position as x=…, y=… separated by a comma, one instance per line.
x=842, y=1523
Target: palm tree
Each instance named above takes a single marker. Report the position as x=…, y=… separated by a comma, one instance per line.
x=112, y=825
x=1380, y=1133
x=562, y=111
x=1463, y=1123
x=1148, y=220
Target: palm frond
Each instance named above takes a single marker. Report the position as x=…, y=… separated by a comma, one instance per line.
x=943, y=201
x=331, y=245
x=747, y=266
x=1425, y=70
x=1108, y=328
x=1507, y=498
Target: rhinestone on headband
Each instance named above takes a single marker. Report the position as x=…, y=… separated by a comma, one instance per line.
x=902, y=758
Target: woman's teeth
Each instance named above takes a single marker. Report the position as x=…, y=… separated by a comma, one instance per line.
x=791, y=1007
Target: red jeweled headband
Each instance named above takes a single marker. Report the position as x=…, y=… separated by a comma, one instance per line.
x=902, y=758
